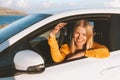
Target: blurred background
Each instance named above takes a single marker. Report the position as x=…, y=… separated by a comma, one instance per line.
x=12, y=10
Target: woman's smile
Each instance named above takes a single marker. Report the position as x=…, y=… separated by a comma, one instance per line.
x=80, y=36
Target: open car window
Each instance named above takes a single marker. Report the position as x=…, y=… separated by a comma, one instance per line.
x=100, y=24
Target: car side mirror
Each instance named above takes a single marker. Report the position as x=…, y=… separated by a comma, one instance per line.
x=29, y=61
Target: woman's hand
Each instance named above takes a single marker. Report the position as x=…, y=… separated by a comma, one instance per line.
x=57, y=29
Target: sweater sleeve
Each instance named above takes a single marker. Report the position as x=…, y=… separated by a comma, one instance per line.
x=57, y=54
x=98, y=51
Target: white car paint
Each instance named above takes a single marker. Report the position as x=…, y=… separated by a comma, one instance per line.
x=84, y=69
x=22, y=59
x=20, y=35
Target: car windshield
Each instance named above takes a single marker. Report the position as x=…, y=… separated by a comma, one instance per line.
x=20, y=25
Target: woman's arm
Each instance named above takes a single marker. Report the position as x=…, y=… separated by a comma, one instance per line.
x=57, y=54
x=98, y=51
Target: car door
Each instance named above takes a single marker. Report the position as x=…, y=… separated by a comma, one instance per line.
x=80, y=68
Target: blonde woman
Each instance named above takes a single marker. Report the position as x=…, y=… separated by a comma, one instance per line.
x=82, y=43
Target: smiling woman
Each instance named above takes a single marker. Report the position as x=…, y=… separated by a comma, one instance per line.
x=82, y=43
x=26, y=41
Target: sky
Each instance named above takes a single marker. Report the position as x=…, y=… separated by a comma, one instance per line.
x=34, y=6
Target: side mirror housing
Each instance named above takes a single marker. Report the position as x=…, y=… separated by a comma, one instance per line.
x=29, y=61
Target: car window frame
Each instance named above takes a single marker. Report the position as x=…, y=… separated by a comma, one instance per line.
x=67, y=19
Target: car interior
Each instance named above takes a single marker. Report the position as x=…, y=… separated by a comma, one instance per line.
x=38, y=43
x=101, y=31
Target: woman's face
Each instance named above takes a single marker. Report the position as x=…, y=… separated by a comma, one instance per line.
x=80, y=37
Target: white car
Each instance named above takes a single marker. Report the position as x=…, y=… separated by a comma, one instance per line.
x=25, y=53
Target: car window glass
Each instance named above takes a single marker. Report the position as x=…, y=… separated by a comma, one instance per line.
x=40, y=45
x=46, y=34
x=41, y=41
x=43, y=36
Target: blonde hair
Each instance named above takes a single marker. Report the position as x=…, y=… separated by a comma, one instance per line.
x=89, y=32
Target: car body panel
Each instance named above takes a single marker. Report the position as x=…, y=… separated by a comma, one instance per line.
x=90, y=68
x=85, y=69
x=47, y=20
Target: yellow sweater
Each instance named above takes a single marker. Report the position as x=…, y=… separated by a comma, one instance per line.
x=58, y=55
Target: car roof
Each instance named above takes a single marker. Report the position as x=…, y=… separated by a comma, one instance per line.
x=44, y=20
x=99, y=10
x=19, y=25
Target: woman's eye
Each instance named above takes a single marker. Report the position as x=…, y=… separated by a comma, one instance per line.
x=84, y=35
